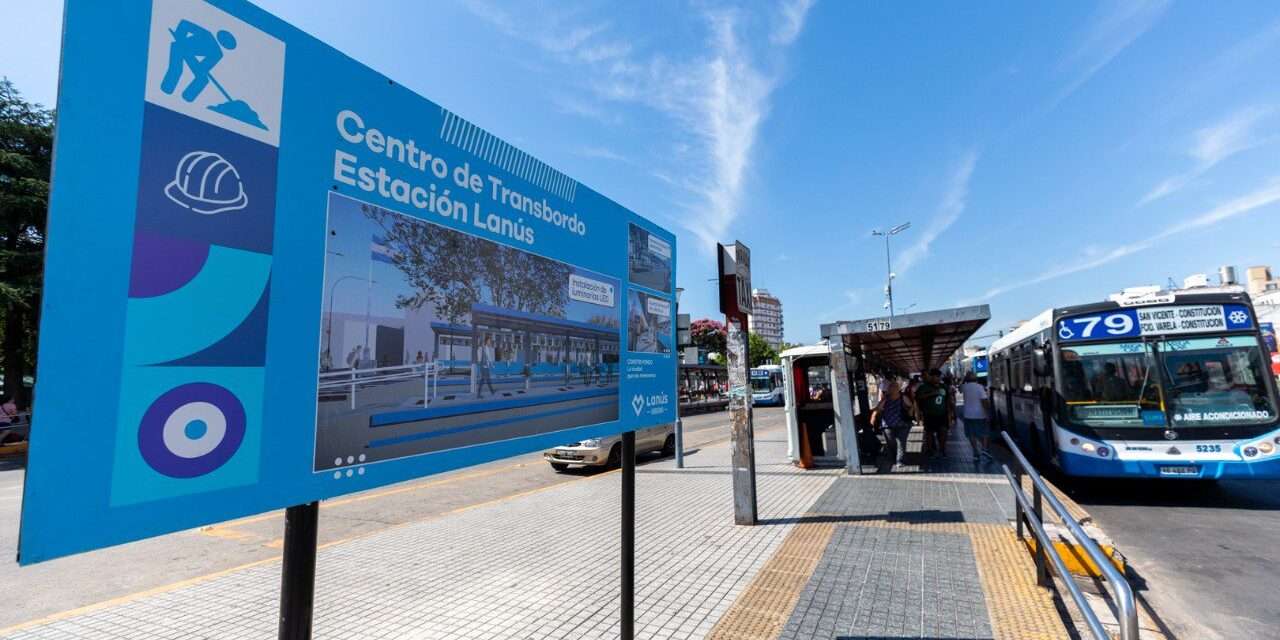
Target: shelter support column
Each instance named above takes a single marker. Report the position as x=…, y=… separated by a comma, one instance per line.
x=842, y=405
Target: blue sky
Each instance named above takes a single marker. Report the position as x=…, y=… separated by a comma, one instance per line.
x=1045, y=154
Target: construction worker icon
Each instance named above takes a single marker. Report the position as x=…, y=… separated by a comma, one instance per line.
x=196, y=49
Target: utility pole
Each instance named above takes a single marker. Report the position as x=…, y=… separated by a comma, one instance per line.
x=735, y=302
x=888, y=263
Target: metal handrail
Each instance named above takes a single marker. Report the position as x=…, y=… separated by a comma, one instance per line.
x=352, y=378
x=1124, y=608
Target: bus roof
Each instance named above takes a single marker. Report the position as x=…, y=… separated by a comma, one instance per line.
x=1042, y=321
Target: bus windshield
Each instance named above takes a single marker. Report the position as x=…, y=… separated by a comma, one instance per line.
x=761, y=384
x=1112, y=385
x=1216, y=381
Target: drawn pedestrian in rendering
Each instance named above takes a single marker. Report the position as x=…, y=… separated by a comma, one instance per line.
x=485, y=355
x=194, y=48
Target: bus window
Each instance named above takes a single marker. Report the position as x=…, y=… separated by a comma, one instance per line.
x=1216, y=381
x=1111, y=384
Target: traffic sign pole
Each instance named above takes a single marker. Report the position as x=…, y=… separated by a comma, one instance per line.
x=298, y=572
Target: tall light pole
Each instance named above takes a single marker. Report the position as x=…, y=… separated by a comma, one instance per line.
x=888, y=265
x=675, y=357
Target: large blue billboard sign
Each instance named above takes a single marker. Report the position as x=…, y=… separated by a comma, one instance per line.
x=276, y=276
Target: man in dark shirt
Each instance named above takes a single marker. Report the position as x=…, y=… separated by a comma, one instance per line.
x=937, y=411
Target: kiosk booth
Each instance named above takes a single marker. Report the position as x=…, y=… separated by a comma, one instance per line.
x=830, y=388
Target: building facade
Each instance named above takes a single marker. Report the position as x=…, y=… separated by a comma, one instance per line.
x=766, y=317
x=1260, y=281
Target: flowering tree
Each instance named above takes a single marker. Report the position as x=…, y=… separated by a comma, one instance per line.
x=708, y=335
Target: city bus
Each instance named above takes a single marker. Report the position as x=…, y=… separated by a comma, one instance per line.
x=1151, y=383
x=767, y=386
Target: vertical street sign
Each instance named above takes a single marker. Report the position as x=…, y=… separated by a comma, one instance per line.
x=735, y=303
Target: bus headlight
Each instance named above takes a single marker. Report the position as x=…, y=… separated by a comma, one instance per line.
x=1088, y=447
x=1250, y=452
x=1104, y=452
x=1266, y=448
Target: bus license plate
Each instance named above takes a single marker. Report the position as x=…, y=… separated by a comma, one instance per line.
x=1187, y=470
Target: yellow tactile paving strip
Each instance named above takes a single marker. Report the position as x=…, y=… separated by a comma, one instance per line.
x=1017, y=608
x=763, y=608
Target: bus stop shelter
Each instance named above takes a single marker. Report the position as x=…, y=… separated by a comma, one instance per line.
x=891, y=345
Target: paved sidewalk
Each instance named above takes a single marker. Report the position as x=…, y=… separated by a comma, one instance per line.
x=909, y=554
x=889, y=556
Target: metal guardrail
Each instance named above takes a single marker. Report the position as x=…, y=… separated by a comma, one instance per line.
x=350, y=379
x=1124, y=608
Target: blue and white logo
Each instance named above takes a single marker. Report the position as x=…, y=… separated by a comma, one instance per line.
x=1237, y=317
x=211, y=66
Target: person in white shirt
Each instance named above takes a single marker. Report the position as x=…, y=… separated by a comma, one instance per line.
x=976, y=407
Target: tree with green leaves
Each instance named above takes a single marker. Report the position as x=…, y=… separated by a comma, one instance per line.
x=759, y=351
x=26, y=159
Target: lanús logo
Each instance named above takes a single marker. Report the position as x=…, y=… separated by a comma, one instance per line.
x=209, y=65
x=207, y=183
x=640, y=401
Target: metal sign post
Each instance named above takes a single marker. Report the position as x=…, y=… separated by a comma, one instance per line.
x=735, y=302
x=682, y=340
x=298, y=572
x=627, y=617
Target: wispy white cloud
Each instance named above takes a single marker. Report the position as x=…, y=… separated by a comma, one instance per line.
x=1093, y=258
x=718, y=98
x=602, y=153
x=792, y=14
x=953, y=203
x=1114, y=26
x=1213, y=144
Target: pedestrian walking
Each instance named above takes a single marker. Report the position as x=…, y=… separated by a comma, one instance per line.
x=891, y=415
x=976, y=413
x=485, y=355
x=937, y=411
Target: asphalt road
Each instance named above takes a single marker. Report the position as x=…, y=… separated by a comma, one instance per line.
x=57, y=586
x=1208, y=555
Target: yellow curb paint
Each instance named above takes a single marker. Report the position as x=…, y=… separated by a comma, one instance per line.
x=1077, y=559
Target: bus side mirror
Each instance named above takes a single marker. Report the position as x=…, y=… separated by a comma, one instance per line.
x=1040, y=362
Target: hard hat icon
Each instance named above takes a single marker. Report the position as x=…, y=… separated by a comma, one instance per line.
x=206, y=183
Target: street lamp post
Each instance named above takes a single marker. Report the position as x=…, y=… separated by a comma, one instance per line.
x=888, y=264
x=675, y=357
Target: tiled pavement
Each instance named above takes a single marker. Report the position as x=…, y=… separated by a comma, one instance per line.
x=834, y=557
x=541, y=565
x=926, y=552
